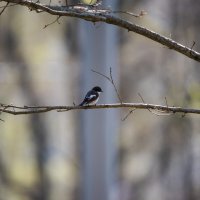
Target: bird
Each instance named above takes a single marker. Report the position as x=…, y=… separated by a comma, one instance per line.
x=92, y=97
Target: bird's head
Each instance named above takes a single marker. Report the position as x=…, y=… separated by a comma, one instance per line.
x=97, y=89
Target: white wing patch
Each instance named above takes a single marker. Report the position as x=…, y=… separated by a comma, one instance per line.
x=91, y=96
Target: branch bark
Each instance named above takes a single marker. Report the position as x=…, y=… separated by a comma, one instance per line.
x=21, y=110
x=107, y=16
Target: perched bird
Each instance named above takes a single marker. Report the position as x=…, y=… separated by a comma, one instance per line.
x=92, y=2
x=92, y=96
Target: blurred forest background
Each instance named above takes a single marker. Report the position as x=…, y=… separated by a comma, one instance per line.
x=58, y=155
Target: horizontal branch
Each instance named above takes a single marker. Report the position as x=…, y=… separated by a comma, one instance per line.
x=106, y=15
x=20, y=110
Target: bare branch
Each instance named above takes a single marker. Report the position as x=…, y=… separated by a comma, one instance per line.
x=21, y=110
x=110, y=79
x=105, y=15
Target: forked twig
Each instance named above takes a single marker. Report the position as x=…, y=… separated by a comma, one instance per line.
x=158, y=113
x=110, y=79
x=56, y=20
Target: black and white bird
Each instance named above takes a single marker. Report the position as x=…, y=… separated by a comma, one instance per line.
x=92, y=97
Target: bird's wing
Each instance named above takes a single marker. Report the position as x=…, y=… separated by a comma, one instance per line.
x=91, y=96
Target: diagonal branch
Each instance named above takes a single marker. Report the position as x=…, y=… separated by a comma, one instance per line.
x=107, y=16
x=20, y=110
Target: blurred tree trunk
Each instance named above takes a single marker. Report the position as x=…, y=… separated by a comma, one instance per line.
x=39, y=133
x=98, y=129
x=177, y=158
x=37, y=125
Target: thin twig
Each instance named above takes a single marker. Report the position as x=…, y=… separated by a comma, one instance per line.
x=101, y=74
x=141, y=14
x=4, y=8
x=160, y=113
x=143, y=100
x=110, y=79
x=9, y=5
x=141, y=97
x=193, y=45
x=183, y=115
x=166, y=101
x=127, y=115
x=0, y=118
x=113, y=83
x=56, y=20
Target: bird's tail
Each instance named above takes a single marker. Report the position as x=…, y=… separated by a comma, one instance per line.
x=82, y=104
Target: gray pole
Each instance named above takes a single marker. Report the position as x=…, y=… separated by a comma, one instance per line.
x=99, y=128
